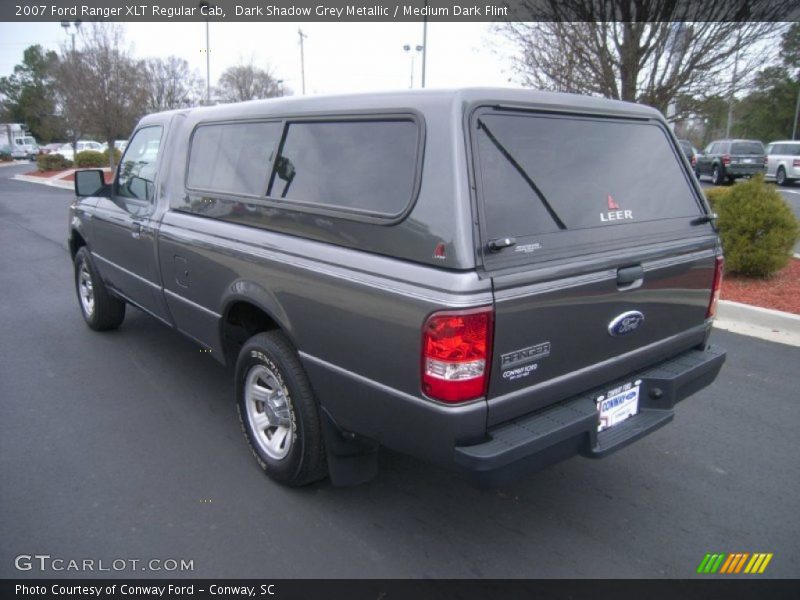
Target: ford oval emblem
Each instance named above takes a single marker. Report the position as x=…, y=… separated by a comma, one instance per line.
x=626, y=323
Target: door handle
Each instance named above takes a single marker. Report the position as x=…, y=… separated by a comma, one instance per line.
x=136, y=230
x=630, y=278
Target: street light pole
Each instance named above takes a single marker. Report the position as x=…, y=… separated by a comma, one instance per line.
x=407, y=48
x=424, y=42
x=796, y=110
x=71, y=28
x=733, y=87
x=302, y=60
x=205, y=4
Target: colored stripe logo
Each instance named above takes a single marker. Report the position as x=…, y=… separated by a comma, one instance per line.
x=734, y=563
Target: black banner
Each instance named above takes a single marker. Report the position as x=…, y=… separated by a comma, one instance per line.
x=398, y=10
x=375, y=589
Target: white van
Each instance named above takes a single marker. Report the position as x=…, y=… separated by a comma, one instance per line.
x=783, y=161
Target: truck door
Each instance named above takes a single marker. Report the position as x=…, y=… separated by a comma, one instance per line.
x=122, y=230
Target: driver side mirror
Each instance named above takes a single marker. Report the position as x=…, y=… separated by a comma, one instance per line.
x=90, y=182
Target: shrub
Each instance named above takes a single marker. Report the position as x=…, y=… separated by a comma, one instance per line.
x=90, y=158
x=716, y=194
x=757, y=227
x=52, y=162
x=117, y=156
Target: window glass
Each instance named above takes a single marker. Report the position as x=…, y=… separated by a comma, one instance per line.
x=747, y=148
x=542, y=174
x=358, y=165
x=137, y=169
x=232, y=157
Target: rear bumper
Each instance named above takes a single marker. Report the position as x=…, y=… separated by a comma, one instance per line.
x=743, y=170
x=570, y=427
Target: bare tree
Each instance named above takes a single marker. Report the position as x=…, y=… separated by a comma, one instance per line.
x=102, y=88
x=171, y=84
x=246, y=81
x=649, y=52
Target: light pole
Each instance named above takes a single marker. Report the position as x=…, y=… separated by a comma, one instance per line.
x=417, y=48
x=71, y=28
x=206, y=5
x=796, y=110
x=302, y=60
x=424, y=42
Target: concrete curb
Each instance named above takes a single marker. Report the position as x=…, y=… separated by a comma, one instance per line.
x=15, y=163
x=55, y=181
x=763, y=323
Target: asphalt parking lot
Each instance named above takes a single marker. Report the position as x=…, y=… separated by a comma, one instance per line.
x=126, y=445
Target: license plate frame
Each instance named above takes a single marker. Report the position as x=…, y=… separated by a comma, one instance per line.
x=618, y=405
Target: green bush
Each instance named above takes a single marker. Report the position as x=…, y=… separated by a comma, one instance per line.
x=90, y=158
x=117, y=156
x=52, y=162
x=715, y=194
x=757, y=227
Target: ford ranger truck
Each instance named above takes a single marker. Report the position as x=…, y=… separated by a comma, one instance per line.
x=487, y=279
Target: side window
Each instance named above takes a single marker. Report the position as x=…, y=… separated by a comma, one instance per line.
x=772, y=149
x=363, y=166
x=709, y=149
x=137, y=170
x=232, y=158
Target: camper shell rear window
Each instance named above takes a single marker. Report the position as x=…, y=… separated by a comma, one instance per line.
x=563, y=183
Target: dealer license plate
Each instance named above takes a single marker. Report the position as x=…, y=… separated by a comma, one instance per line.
x=748, y=160
x=618, y=405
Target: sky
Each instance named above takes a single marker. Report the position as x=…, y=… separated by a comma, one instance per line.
x=339, y=57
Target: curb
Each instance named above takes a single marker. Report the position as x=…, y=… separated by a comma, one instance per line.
x=16, y=163
x=51, y=181
x=763, y=323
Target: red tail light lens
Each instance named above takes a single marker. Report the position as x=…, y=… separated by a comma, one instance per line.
x=694, y=160
x=715, y=288
x=726, y=160
x=795, y=162
x=456, y=354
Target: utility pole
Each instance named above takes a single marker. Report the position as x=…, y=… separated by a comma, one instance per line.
x=733, y=87
x=796, y=110
x=302, y=60
x=424, y=42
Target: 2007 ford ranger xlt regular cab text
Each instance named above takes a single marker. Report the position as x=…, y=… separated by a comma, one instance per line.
x=488, y=279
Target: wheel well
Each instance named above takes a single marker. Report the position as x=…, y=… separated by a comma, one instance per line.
x=241, y=322
x=76, y=242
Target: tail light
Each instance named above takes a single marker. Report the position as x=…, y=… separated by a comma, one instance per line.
x=694, y=160
x=726, y=159
x=456, y=354
x=715, y=288
x=796, y=162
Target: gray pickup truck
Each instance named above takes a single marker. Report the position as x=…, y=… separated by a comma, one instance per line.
x=489, y=279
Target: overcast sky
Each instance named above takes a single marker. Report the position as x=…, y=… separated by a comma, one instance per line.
x=339, y=57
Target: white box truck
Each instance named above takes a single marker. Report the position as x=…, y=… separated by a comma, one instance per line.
x=21, y=144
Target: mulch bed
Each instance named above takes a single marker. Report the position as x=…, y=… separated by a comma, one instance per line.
x=779, y=292
x=71, y=177
x=108, y=175
x=43, y=173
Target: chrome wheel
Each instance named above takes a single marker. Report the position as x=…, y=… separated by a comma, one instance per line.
x=268, y=410
x=86, y=290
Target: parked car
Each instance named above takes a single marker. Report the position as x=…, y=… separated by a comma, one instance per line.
x=783, y=161
x=416, y=270
x=50, y=148
x=726, y=160
x=689, y=151
x=67, y=152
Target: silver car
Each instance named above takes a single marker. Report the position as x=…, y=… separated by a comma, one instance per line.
x=783, y=161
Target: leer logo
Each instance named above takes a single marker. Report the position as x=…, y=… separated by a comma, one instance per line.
x=727, y=564
x=614, y=212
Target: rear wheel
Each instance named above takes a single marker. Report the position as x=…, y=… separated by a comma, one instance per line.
x=278, y=412
x=100, y=309
x=780, y=177
x=717, y=176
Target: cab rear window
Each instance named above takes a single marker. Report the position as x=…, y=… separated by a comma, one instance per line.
x=542, y=174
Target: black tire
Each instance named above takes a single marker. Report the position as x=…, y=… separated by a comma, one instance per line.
x=104, y=312
x=697, y=173
x=780, y=177
x=268, y=361
x=731, y=179
x=717, y=175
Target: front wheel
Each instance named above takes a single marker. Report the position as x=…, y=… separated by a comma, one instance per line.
x=278, y=412
x=99, y=308
x=780, y=177
x=717, y=176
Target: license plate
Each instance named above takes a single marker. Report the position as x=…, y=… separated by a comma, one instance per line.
x=748, y=160
x=618, y=405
